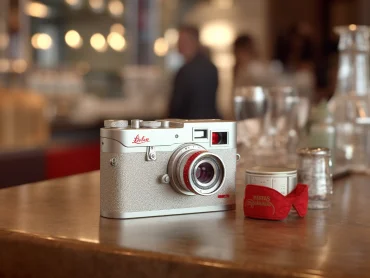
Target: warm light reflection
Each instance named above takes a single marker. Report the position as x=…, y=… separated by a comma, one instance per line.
x=41, y=41
x=4, y=41
x=73, y=39
x=224, y=60
x=218, y=34
x=352, y=27
x=19, y=66
x=116, y=8
x=36, y=9
x=171, y=35
x=96, y=5
x=116, y=41
x=160, y=47
x=74, y=3
x=223, y=4
x=4, y=65
x=98, y=42
x=88, y=240
x=117, y=28
x=83, y=67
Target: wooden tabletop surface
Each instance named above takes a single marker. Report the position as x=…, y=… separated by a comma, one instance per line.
x=53, y=229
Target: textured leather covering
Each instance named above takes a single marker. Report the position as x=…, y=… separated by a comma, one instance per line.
x=133, y=185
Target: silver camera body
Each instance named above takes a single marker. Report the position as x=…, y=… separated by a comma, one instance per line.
x=167, y=167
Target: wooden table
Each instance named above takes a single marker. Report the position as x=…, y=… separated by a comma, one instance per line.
x=53, y=229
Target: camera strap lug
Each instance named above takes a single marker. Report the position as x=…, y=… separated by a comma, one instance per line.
x=150, y=154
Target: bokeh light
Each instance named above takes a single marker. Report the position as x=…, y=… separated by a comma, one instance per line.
x=98, y=42
x=19, y=66
x=4, y=65
x=160, y=47
x=41, y=41
x=171, y=35
x=74, y=3
x=223, y=4
x=217, y=34
x=4, y=41
x=353, y=27
x=116, y=41
x=36, y=9
x=116, y=8
x=83, y=67
x=97, y=5
x=73, y=39
x=117, y=28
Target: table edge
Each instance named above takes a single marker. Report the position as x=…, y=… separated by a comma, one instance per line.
x=18, y=243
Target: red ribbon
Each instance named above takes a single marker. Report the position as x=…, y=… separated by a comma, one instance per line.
x=266, y=203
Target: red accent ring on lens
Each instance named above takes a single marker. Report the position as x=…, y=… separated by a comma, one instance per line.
x=186, y=170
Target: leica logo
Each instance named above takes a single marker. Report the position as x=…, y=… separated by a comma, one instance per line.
x=142, y=140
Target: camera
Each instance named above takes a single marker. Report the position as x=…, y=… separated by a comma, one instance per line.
x=166, y=167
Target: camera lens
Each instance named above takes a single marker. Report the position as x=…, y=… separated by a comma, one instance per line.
x=194, y=170
x=204, y=172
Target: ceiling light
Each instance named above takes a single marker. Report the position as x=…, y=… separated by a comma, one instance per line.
x=115, y=8
x=73, y=39
x=171, y=35
x=117, y=28
x=41, y=41
x=36, y=9
x=97, y=5
x=160, y=47
x=74, y=3
x=98, y=42
x=217, y=34
x=116, y=41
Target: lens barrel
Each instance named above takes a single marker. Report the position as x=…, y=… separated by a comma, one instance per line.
x=194, y=170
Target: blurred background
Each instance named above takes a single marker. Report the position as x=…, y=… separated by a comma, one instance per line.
x=66, y=65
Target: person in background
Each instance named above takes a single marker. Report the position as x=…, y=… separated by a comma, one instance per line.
x=244, y=54
x=249, y=68
x=195, y=85
x=295, y=49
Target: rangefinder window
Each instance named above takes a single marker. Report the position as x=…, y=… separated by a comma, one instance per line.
x=219, y=138
x=200, y=133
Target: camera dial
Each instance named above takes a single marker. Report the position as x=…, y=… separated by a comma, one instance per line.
x=195, y=171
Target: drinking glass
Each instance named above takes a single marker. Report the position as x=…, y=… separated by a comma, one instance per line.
x=250, y=107
x=314, y=170
x=279, y=139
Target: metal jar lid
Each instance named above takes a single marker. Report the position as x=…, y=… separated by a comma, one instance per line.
x=314, y=152
x=263, y=170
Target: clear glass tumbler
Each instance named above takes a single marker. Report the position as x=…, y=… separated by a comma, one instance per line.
x=279, y=138
x=314, y=169
x=250, y=107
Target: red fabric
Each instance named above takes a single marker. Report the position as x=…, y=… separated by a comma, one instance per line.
x=266, y=203
x=71, y=160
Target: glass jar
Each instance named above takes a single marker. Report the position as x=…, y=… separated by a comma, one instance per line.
x=314, y=169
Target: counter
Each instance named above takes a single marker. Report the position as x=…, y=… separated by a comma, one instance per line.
x=53, y=228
